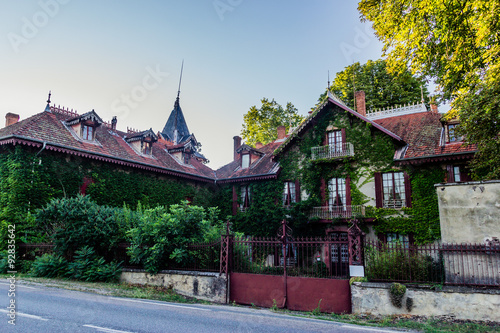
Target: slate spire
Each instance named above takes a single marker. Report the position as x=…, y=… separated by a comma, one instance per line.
x=176, y=129
x=47, y=108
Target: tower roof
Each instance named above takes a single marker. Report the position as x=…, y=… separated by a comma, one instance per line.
x=176, y=129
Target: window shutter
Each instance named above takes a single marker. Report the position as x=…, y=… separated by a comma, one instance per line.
x=407, y=190
x=382, y=237
x=343, y=135
x=325, y=139
x=450, y=178
x=297, y=191
x=235, y=201
x=348, y=191
x=379, y=194
x=411, y=238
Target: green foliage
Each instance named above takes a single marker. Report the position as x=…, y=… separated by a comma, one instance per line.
x=396, y=293
x=87, y=266
x=4, y=263
x=260, y=125
x=77, y=222
x=357, y=279
x=393, y=263
x=455, y=43
x=163, y=234
x=50, y=265
x=382, y=88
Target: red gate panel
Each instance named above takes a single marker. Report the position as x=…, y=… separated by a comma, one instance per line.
x=258, y=289
x=304, y=294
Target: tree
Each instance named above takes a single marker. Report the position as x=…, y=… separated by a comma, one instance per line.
x=260, y=125
x=456, y=44
x=382, y=89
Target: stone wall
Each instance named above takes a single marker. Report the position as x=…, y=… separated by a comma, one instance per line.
x=460, y=302
x=469, y=212
x=203, y=285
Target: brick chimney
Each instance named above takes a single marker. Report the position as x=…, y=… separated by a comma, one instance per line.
x=259, y=145
x=360, y=102
x=113, y=123
x=434, y=108
x=281, y=132
x=237, y=144
x=11, y=118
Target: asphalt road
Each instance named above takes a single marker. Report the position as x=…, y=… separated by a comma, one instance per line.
x=43, y=309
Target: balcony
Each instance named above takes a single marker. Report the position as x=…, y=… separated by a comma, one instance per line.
x=339, y=150
x=332, y=212
x=395, y=203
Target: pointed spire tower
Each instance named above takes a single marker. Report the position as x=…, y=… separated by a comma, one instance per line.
x=176, y=129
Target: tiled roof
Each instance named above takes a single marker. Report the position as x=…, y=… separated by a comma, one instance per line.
x=49, y=128
x=423, y=133
x=263, y=168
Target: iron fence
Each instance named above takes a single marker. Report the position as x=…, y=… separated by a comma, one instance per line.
x=321, y=257
x=453, y=264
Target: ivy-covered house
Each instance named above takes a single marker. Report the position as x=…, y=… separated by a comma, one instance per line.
x=59, y=152
x=379, y=167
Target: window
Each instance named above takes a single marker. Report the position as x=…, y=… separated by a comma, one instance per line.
x=87, y=132
x=394, y=193
x=337, y=194
x=335, y=140
x=452, y=137
x=245, y=197
x=394, y=239
x=147, y=148
x=289, y=194
x=186, y=158
x=245, y=161
x=457, y=173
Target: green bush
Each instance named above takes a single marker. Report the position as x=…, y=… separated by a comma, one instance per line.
x=50, y=265
x=89, y=267
x=394, y=263
x=163, y=234
x=77, y=222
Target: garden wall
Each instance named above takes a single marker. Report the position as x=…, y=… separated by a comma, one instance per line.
x=460, y=302
x=203, y=285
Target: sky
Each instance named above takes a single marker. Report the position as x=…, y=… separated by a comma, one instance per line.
x=123, y=58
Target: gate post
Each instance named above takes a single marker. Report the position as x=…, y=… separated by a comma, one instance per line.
x=226, y=255
x=356, y=258
x=283, y=234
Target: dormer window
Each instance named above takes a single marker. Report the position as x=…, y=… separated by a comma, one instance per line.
x=245, y=161
x=142, y=142
x=85, y=126
x=451, y=134
x=87, y=132
x=147, y=148
x=248, y=155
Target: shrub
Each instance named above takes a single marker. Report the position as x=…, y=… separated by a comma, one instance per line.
x=50, y=265
x=396, y=293
x=89, y=267
x=4, y=264
x=77, y=222
x=163, y=234
x=395, y=263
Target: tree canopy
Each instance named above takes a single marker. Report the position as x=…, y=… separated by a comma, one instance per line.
x=382, y=89
x=260, y=124
x=456, y=44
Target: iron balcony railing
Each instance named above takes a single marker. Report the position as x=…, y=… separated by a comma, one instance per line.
x=332, y=151
x=331, y=212
x=394, y=203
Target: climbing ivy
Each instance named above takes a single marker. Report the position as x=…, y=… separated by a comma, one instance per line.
x=30, y=178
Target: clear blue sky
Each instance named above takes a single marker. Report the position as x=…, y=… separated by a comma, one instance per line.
x=123, y=58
